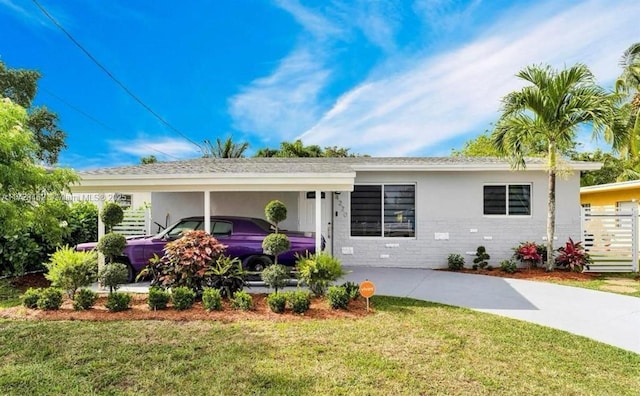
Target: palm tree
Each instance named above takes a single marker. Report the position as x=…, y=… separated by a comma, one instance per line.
x=226, y=149
x=627, y=123
x=550, y=109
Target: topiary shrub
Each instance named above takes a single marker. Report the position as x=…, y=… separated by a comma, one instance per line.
x=111, y=245
x=158, y=298
x=85, y=299
x=113, y=275
x=182, y=297
x=455, y=262
x=242, y=300
x=212, y=299
x=275, y=212
x=299, y=301
x=31, y=296
x=277, y=302
x=70, y=270
x=318, y=271
x=117, y=302
x=50, y=299
x=276, y=276
x=276, y=244
x=190, y=262
x=338, y=297
x=481, y=257
x=112, y=215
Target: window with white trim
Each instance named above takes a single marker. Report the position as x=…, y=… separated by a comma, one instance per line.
x=383, y=210
x=507, y=199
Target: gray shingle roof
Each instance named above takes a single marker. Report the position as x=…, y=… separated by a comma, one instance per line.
x=302, y=165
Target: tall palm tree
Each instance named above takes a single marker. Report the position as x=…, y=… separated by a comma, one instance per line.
x=226, y=149
x=627, y=120
x=551, y=109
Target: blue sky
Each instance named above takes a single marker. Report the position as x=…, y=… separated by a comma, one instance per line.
x=386, y=78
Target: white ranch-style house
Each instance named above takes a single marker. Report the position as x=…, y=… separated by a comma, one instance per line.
x=373, y=211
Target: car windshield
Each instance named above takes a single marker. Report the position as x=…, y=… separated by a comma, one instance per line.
x=175, y=230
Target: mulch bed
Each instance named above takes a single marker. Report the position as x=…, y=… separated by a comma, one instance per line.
x=536, y=273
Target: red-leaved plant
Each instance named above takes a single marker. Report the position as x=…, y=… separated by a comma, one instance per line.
x=572, y=255
x=527, y=251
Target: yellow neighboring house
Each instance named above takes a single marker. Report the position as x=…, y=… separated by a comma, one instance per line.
x=619, y=196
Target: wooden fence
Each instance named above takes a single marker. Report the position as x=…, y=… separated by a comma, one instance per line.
x=136, y=222
x=611, y=238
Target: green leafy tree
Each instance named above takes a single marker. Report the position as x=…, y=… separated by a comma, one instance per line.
x=551, y=108
x=223, y=149
x=27, y=204
x=298, y=150
x=150, y=159
x=21, y=86
x=613, y=169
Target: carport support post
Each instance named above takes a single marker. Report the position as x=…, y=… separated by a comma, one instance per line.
x=318, y=221
x=100, y=230
x=207, y=211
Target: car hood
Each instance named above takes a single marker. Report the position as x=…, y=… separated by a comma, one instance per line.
x=131, y=241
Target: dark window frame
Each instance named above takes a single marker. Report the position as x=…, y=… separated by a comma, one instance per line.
x=383, y=228
x=504, y=201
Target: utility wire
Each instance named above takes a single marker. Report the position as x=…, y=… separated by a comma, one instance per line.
x=121, y=84
x=89, y=116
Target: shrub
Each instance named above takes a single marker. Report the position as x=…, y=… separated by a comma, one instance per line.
x=277, y=302
x=573, y=255
x=112, y=215
x=318, y=271
x=530, y=253
x=508, y=266
x=276, y=244
x=276, y=276
x=7, y=291
x=158, y=298
x=212, y=299
x=242, y=300
x=82, y=223
x=113, y=275
x=112, y=245
x=299, y=301
x=31, y=296
x=338, y=297
x=188, y=260
x=353, y=290
x=275, y=212
x=226, y=275
x=481, y=257
x=84, y=299
x=455, y=262
x=50, y=299
x=71, y=270
x=182, y=297
x=117, y=302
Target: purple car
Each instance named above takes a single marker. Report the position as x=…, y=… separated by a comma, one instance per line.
x=242, y=235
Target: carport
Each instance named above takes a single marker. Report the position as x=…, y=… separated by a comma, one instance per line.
x=208, y=175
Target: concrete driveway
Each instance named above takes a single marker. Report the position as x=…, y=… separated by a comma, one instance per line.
x=606, y=317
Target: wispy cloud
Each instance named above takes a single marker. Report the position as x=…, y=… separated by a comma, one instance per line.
x=30, y=16
x=312, y=22
x=454, y=93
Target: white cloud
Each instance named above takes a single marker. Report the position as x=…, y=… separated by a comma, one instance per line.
x=439, y=98
x=164, y=148
x=314, y=23
x=285, y=102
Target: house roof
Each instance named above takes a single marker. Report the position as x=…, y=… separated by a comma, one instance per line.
x=279, y=174
x=627, y=185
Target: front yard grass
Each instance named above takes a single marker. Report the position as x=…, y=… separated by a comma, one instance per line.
x=608, y=282
x=406, y=347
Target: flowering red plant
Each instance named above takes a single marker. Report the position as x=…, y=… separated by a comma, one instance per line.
x=573, y=256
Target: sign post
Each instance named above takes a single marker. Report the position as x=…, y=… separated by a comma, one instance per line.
x=367, y=290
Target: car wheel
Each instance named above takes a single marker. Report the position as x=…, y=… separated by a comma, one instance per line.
x=257, y=263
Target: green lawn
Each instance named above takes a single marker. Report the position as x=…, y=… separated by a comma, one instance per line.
x=603, y=280
x=406, y=347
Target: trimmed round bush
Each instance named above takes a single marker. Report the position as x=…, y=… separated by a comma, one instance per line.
x=112, y=245
x=299, y=301
x=113, y=275
x=182, y=297
x=112, y=215
x=455, y=262
x=275, y=212
x=242, y=300
x=117, y=302
x=158, y=298
x=338, y=297
x=276, y=276
x=212, y=299
x=84, y=299
x=275, y=244
x=50, y=299
x=31, y=296
x=277, y=302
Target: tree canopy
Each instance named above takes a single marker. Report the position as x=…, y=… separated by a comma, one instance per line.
x=21, y=86
x=223, y=149
x=297, y=149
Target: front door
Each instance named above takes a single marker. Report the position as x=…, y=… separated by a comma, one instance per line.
x=307, y=205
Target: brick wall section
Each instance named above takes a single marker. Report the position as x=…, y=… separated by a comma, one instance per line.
x=452, y=202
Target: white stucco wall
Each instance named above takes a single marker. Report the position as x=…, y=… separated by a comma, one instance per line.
x=250, y=204
x=452, y=202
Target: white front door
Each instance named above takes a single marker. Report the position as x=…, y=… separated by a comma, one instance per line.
x=307, y=206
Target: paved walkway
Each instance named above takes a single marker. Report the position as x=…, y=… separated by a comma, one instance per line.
x=606, y=317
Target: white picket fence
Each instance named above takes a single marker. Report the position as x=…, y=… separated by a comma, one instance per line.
x=611, y=238
x=136, y=222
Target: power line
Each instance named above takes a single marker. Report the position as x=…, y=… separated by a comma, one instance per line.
x=121, y=84
x=89, y=116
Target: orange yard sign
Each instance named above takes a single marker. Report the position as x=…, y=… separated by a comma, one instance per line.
x=367, y=289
